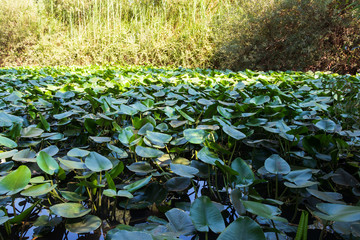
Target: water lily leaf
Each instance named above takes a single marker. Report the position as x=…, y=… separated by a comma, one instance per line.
x=301, y=184
x=47, y=163
x=138, y=184
x=72, y=164
x=235, y=198
x=183, y=170
x=344, y=178
x=195, y=136
x=7, y=142
x=207, y=156
x=6, y=166
x=26, y=155
x=178, y=184
x=38, y=190
x=326, y=125
x=225, y=112
x=276, y=165
x=8, y=154
x=204, y=215
x=70, y=210
x=140, y=167
x=77, y=152
x=128, y=110
x=259, y=100
x=51, y=150
x=64, y=95
x=15, y=181
x=100, y=139
x=44, y=123
x=125, y=136
x=245, y=175
x=338, y=212
x=72, y=196
x=180, y=222
x=187, y=117
x=331, y=197
x=299, y=176
x=243, y=228
x=176, y=123
x=263, y=210
x=85, y=224
x=232, y=132
x=97, y=163
x=126, y=235
x=119, y=152
x=147, y=127
x=163, y=127
x=31, y=132
x=158, y=138
x=146, y=152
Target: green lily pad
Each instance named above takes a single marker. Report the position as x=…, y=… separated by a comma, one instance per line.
x=47, y=163
x=195, y=136
x=97, y=162
x=243, y=228
x=85, y=224
x=15, y=181
x=276, y=165
x=7, y=142
x=147, y=152
x=70, y=210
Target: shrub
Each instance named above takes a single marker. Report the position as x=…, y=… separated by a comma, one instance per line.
x=291, y=35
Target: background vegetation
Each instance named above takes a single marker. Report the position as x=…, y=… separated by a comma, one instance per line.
x=262, y=35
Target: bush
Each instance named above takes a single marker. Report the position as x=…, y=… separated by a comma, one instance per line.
x=291, y=35
x=19, y=30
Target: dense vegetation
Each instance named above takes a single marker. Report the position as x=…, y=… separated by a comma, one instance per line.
x=144, y=153
x=227, y=34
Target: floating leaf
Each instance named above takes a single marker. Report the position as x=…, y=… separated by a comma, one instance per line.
x=7, y=142
x=97, y=163
x=183, y=170
x=47, y=163
x=243, y=228
x=15, y=181
x=146, y=152
x=232, y=132
x=276, y=165
x=138, y=184
x=207, y=156
x=205, y=215
x=31, y=132
x=77, y=152
x=70, y=210
x=338, y=212
x=38, y=190
x=195, y=136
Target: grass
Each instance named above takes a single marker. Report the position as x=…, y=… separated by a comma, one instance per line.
x=261, y=35
x=133, y=32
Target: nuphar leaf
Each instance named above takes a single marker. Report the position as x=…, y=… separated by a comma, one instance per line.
x=83, y=225
x=204, y=214
x=326, y=125
x=338, y=212
x=70, y=210
x=276, y=165
x=245, y=175
x=15, y=181
x=31, y=132
x=158, y=138
x=138, y=184
x=147, y=152
x=195, y=136
x=243, y=228
x=208, y=157
x=183, y=170
x=7, y=142
x=47, y=163
x=264, y=210
x=180, y=222
x=232, y=132
x=77, y=152
x=38, y=190
x=97, y=163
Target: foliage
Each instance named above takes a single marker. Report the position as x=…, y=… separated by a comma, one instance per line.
x=202, y=153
